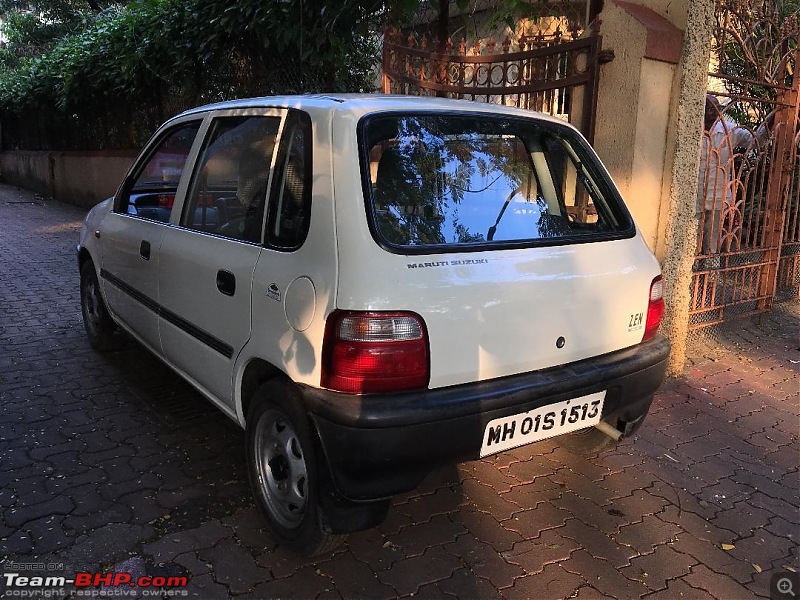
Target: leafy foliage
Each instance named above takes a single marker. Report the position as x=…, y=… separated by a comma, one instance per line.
x=131, y=66
x=89, y=74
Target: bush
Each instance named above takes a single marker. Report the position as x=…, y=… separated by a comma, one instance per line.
x=111, y=84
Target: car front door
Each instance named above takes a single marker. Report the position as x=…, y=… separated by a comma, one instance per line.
x=131, y=234
x=208, y=258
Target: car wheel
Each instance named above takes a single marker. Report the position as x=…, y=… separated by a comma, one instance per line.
x=282, y=468
x=100, y=327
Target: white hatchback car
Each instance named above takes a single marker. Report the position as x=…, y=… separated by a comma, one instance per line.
x=373, y=286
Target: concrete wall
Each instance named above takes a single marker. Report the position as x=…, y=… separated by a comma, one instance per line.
x=80, y=178
x=649, y=123
x=634, y=108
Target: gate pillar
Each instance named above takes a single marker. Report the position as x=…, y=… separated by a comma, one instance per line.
x=634, y=107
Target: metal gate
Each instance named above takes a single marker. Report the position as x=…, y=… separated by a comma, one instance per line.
x=748, y=250
x=554, y=71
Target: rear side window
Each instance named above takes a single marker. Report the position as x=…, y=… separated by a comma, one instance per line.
x=447, y=180
x=150, y=193
x=228, y=193
x=290, y=201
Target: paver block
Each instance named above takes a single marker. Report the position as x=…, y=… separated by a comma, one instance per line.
x=534, y=555
x=416, y=539
x=608, y=581
x=713, y=557
x=553, y=582
x=647, y=534
x=408, y=575
x=466, y=584
x=716, y=584
x=355, y=579
x=234, y=566
x=657, y=569
x=306, y=582
x=531, y=523
x=486, y=528
x=597, y=543
x=482, y=561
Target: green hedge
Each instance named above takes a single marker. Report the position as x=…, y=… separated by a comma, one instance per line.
x=110, y=85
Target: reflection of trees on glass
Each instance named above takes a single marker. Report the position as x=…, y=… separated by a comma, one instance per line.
x=458, y=180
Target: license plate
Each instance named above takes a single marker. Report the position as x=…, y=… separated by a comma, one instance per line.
x=539, y=424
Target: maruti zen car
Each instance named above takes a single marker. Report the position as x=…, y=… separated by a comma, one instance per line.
x=373, y=286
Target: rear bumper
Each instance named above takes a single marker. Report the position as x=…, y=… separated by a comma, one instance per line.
x=383, y=445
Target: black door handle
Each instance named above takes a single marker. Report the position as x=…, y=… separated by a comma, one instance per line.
x=226, y=282
x=144, y=250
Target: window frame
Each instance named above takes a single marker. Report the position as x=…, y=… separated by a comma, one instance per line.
x=294, y=120
x=143, y=159
x=210, y=130
x=579, y=145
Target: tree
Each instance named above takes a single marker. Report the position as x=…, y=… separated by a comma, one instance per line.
x=32, y=28
x=111, y=70
x=115, y=74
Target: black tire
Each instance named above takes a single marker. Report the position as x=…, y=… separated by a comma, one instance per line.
x=100, y=327
x=282, y=468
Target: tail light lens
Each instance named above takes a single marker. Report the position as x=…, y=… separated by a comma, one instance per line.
x=655, y=308
x=367, y=352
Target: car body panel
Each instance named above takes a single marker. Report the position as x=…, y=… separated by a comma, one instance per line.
x=124, y=269
x=494, y=312
x=204, y=337
x=294, y=350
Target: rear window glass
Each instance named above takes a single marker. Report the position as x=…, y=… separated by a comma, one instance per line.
x=446, y=180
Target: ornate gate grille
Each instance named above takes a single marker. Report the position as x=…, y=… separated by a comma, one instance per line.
x=748, y=251
x=548, y=67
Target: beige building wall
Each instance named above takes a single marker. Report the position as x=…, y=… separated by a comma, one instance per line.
x=634, y=108
x=649, y=123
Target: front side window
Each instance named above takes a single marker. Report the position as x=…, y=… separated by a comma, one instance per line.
x=151, y=192
x=228, y=193
x=447, y=180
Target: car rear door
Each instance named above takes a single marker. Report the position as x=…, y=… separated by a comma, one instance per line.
x=208, y=258
x=505, y=235
x=131, y=234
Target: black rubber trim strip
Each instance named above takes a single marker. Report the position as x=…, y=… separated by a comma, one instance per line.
x=131, y=291
x=514, y=393
x=193, y=330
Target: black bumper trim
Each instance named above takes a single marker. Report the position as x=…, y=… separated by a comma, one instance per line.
x=380, y=446
x=528, y=390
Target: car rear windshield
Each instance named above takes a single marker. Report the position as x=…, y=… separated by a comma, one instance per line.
x=451, y=181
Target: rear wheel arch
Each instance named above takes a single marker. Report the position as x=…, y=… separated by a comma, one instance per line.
x=256, y=372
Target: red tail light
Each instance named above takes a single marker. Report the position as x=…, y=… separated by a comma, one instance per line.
x=367, y=352
x=655, y=308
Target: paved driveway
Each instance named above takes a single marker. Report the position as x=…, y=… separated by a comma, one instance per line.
x=112, y=463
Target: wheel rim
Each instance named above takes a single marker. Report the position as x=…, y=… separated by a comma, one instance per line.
x=92, y=305
x=282, y=471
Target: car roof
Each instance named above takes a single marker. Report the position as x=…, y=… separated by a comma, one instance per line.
x=368, y=103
